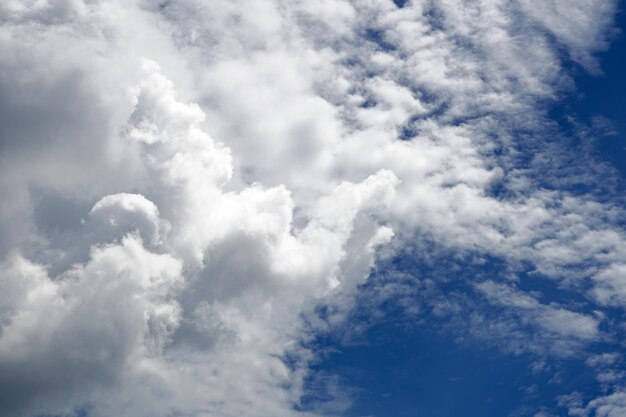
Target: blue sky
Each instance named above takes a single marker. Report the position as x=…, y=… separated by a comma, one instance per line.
x=326, y=208
x=422, y=365
x=603, y=95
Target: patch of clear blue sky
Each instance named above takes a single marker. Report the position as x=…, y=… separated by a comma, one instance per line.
x=421, y=365
x=429, y=364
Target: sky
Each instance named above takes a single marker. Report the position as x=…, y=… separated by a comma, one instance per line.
x=323, y=208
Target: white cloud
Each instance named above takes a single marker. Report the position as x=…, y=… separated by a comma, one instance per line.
x=579, y=25
x=123, y=213
x=610, y=286
x=64, y=337
x=557, y=330
x=613, y=405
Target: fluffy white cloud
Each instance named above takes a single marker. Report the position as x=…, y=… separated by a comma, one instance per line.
x=64, y=337
x=611, y=285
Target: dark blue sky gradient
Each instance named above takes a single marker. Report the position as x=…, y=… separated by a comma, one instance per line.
x=425, y=364
x=604, y=95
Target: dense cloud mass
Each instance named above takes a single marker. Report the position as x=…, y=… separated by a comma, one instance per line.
x=186, y=182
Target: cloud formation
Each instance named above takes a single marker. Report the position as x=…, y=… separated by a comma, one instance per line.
x=186, y=182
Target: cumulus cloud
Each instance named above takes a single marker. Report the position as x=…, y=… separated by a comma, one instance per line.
x=186, y=181
x=63, y=337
